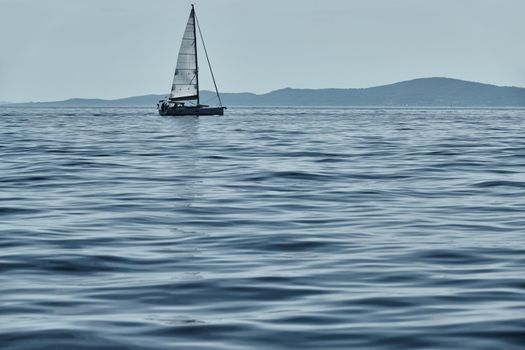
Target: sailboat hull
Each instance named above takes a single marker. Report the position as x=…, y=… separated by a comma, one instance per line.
x=192, y=111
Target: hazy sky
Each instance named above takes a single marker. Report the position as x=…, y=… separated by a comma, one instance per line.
x=57, y=49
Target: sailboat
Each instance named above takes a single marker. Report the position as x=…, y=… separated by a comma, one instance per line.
x=185, y=87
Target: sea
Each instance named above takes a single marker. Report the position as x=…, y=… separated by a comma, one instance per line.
x=265, y=228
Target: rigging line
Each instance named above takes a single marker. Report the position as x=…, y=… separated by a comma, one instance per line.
x=208, y=59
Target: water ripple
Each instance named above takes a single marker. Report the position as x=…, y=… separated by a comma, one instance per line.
x=265, y=229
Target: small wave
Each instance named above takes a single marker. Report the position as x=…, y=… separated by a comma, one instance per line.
x=18, y=211
x=500, y=183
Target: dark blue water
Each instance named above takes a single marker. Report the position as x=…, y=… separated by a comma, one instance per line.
x=262, y=229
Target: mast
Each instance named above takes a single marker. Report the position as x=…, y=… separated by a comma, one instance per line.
x=196, y=57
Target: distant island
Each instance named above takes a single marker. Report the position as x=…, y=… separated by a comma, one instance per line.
x=424, y=92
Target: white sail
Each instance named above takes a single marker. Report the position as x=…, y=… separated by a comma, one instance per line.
x=185, y=81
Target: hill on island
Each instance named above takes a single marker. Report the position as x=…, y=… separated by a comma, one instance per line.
x=428, y=92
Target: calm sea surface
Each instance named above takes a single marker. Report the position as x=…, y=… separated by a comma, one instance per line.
x=263, y=229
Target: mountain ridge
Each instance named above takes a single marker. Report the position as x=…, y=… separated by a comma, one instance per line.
x=428, y=92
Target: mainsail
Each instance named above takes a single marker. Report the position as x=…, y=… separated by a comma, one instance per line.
x=185, y=81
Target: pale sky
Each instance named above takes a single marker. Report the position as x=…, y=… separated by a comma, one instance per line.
x=58, y=49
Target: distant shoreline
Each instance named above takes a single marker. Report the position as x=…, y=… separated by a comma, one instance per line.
x=417, y=93
x=36, y=105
